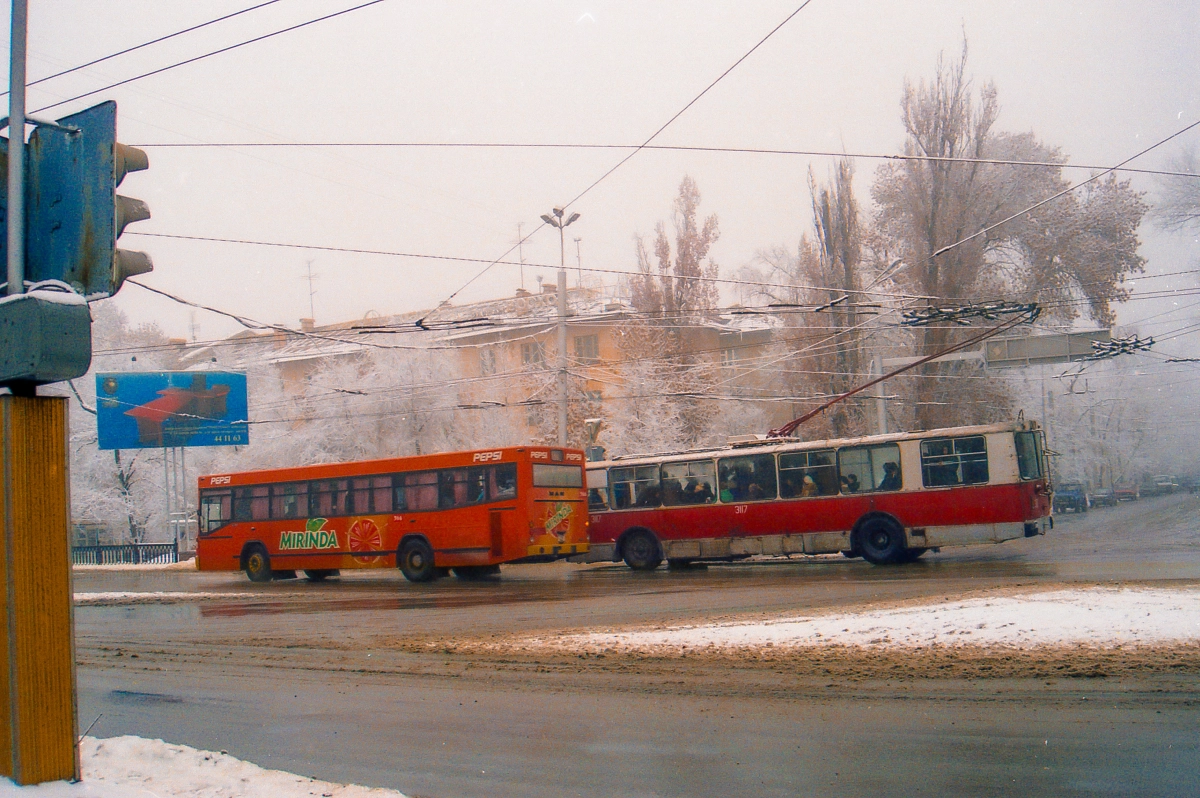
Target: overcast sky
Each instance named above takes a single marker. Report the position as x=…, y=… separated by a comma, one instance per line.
x=1101, y=80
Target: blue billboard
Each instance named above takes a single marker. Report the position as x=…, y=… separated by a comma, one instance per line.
x=153, y=410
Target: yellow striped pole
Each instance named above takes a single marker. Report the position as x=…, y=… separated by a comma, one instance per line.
x=37, y=669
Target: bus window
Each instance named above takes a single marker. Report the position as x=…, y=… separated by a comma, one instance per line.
x=417, y=491
x=216, y=509
x=452, y=488
x=597, y=482
x=693, y=482
x=290, y=500
x=747, y=478
x=1029, y=460
x=634, y=486
x=557, y=476
x=328, y=497
x=477, y=485
x=807, y=474
x=869, y=468
x=954, y=461
x=381, y=494
x=251, y=504
x=503, y=481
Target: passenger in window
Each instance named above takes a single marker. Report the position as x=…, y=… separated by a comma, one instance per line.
x=596, y=500
x=808, y=487
x=891, y=477
x=506, y=486
x=755, y=492
x=672, y=492
x=697, y=492
x=650, y=497
x=850, y=483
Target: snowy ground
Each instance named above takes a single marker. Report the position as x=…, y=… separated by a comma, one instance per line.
x=1088, y=616
x=132, y=767
x=184, y=565
x=153, y=597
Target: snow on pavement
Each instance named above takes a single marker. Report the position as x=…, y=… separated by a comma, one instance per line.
x=1090, y=616
x=154, y=597
x=133, y=767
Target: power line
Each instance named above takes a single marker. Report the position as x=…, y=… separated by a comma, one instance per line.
x=160, y=39
x=653, y=136
x=203, y=56
x=635, y=147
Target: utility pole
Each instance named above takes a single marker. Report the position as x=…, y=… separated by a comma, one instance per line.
x=312, y=313
x=521, y=254
x=579, y=261
x=555, y=219
x=37, y=674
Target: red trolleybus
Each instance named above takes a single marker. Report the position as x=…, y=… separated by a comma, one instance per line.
x=467, y=511
x=888, y=498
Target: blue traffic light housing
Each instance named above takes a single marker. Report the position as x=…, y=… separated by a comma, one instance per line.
x=73, y=213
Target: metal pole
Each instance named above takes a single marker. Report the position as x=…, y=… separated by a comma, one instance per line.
x=16, y=149
x=167, y=487
x=562, y=339
x=880, y=404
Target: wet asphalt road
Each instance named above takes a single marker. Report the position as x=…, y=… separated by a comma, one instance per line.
x=295, y=676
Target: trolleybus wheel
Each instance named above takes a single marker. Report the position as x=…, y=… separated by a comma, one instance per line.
x=320, y=574
x=881, y=541
x=258, y=564
x=416, y=561
x=640, y=551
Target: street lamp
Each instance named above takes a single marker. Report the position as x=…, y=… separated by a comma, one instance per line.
x=556, y=219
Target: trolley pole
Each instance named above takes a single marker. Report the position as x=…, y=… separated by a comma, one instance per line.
x=16, y=150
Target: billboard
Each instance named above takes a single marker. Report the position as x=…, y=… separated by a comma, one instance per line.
x=143, y=410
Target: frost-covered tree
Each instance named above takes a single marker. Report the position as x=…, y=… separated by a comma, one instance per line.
x=1079, y=247
x=1177, y=206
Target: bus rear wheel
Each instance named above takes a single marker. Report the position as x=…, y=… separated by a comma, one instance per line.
x=640, y=551
x=416, y=561
x=257, y=564
x=881, y=541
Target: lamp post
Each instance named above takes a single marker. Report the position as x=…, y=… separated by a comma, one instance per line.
x=556, y=219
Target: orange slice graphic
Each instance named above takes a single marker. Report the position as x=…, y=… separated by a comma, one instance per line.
x=364, y=536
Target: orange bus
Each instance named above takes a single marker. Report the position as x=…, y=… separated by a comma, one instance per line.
x=426, y=515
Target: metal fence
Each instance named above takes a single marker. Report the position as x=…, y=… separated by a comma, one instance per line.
x=127, y=554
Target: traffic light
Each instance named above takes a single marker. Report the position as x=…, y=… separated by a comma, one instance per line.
x=73, y=217
x=73, y=213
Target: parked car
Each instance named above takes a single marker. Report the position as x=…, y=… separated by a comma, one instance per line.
x=1160, y=485
x=1126, y=493
x=1070, y=496
x=1103, y=497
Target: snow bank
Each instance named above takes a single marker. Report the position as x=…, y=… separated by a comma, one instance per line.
x=132, y=767
x=153, y=597
x=1094, y=616
x=182, y=565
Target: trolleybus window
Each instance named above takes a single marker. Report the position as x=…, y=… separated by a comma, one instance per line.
x=807, y=474
x=692, y=482
x=869, y=468
x=634, y=486
x=597, y=480
x=557, y=476
x=954, y=461
x=747, y=478
x=289, y=500
x=215, y=509
x=1029, y=455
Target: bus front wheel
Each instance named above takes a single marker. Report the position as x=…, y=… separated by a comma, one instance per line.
x=881, y=541
x=416, y=561
x=640, y=551
x=258, y=564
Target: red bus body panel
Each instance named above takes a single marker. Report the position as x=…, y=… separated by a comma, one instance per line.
x=538, y=523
